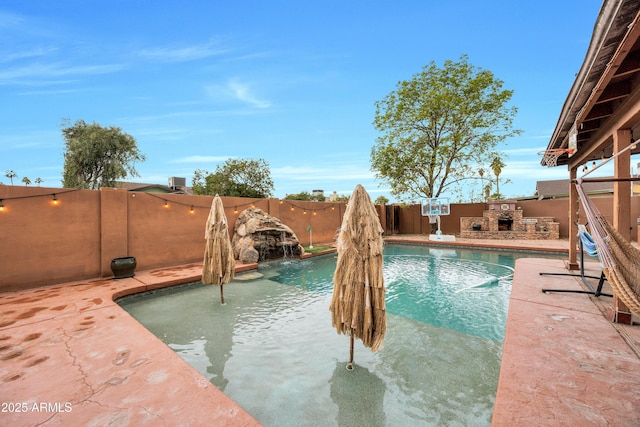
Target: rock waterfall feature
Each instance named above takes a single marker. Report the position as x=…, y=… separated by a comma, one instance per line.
x=258, y=237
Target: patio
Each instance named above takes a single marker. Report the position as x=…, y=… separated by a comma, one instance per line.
x=71, y=356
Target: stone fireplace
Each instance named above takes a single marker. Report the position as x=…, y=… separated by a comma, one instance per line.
x=504, y=220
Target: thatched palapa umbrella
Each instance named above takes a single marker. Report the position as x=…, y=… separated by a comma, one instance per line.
x=218, y=266
x=357, y=305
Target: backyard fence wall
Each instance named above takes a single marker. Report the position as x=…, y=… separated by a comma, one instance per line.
x=77, y=237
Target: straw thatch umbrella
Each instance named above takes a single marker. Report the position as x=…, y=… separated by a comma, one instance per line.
x=357, y=305
x=218, y=266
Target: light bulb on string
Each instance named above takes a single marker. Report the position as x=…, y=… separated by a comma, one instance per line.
x=1, y=206
x=191, y=209
x=166, y=204
x=55, y=200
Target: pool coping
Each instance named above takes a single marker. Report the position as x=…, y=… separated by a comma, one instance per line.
x=563, y=362
x=74, y=357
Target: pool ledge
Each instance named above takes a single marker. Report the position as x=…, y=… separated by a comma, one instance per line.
x=71, y=356
x=563, y=362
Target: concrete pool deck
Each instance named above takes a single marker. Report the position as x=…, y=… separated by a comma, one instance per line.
x=71, y=356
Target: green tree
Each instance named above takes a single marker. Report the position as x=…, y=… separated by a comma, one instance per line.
x=26, y=181
x=305, y=195
x=496, y=166
x=438, y=127
x=97, y=156
x=235, y=178
x=38, y=181
x=11, y=174
x=381, y=200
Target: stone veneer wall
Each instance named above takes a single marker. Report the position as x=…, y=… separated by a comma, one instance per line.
x=531, y=228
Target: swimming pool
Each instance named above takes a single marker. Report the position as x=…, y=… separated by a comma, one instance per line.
x=272, y=348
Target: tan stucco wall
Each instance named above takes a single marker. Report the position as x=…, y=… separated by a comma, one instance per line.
x=77, y=238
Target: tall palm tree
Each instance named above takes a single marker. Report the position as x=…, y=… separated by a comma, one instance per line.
x=481, y=173
x=496, y=165
x=11, y=174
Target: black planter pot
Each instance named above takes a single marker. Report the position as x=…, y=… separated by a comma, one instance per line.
x=123, y=267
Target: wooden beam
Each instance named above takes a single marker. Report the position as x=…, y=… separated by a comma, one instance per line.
x=622, y=189
x=574, y=207
x=615, y=91
x=599, y=111
x=630, y=65
x=625, y=117
x=590, y=125
x=622, y=206
x=623, y=49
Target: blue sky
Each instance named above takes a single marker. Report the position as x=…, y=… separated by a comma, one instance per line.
x=293, y=83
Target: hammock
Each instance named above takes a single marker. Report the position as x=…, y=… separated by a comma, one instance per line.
x=588, y=244
x=620, y=260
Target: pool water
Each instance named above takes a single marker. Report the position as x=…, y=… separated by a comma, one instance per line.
x=271, y=347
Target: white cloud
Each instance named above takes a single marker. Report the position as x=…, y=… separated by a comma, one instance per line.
x=239, y=91
x=38, y=73
x=201, y=159
x=183, y=53
x=25, y=54
x=10, y=20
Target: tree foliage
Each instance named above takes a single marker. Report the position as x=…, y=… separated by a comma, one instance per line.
x=235, y=178
x=496, y=166
x=11, y=174
x=97, y=156
x=438, y=127
x=305, y=195
x=381, y=200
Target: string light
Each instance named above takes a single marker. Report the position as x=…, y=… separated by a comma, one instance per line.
x=55, y=201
